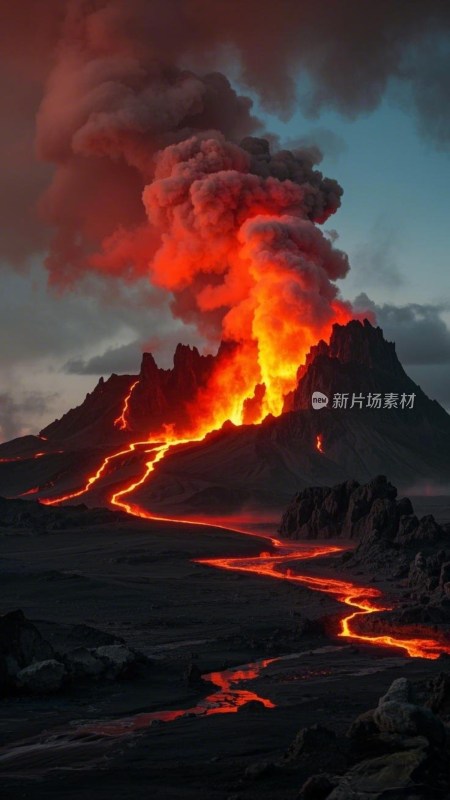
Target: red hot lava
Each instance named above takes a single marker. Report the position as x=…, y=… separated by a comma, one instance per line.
x=121, y=421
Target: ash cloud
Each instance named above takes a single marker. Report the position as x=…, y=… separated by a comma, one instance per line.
x=18, y=414
x=141, y=75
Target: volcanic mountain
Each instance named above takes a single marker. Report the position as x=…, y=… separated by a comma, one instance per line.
x=385, y=424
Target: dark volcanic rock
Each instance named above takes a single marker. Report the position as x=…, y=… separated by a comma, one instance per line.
x=92, y=422
x=166, y=396
x=398, y=750
x=357, y=512
x=249, y=465
x=30, y=515
x=21, y=645
x=359, y=360
x=43, y=677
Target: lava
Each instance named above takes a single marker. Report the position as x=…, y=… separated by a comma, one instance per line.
x=362, y=598
x=121, y=421
x=100, y=472
x=276, y=566
x=226, y=698
x=28, y=458
x=319, y=443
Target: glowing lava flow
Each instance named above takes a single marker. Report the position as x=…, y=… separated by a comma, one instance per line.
x=28, y=458
x=226, y=698
x=319, y=443
x=21, y=458
x=121, y=421
x=360, y=598
x=54, y=501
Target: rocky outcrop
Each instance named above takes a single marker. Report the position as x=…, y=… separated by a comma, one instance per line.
x=162, y=396
x=32, y=517
x=156, y=397
x=92, y=422
x=21, y=645
x=43, y=677
x=251, y=465
x=400, y=749
x=30, y=664
x=366, y=513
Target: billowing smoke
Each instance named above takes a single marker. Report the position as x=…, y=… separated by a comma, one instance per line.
x=271, y=270
x=152, y=161
x=111, y=81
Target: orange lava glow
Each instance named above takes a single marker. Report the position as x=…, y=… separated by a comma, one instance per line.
x=319, y=443
x=366, y=600
x=28, y=458
x=227, y=697
x=280, y=565
x=121, y=421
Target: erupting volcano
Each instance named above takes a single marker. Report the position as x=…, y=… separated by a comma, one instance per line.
x=211, y=538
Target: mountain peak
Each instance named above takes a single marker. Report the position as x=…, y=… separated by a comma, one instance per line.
x=358, y=359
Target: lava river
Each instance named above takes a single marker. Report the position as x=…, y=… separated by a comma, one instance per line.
x=281, y=564
x=279, y=560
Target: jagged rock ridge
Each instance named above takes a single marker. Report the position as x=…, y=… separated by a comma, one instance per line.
x=254, y=464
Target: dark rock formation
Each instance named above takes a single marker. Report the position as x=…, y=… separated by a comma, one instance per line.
x=351, y=511
x=159, y=397
x=250, y=465
x=29, y=663
x=400, y=749
x=358, y=360
x=163, y=396
x=32, y=517
x=92, y=422
x=21, y=645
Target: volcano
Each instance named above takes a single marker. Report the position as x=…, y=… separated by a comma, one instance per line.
x=245, y=466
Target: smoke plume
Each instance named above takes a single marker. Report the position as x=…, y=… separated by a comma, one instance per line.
x=149, y=161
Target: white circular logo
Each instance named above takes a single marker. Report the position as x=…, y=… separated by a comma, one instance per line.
x=319, y=400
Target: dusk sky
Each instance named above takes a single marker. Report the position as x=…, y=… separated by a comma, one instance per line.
x=392, y=161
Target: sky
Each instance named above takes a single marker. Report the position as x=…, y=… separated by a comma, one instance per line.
x=392, y=161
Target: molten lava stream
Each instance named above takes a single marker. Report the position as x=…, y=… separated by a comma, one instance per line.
x=121, y=421
x=359, y=598
x=226, y=698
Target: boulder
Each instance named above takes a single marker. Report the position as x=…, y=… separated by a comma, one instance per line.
x=407, y=719
x=393, y=776
x=400, y=691
x=438, y=699
x=317, y=787
x=21, y=644
x=84, y=663
x=116, y=657
x=310, y=740
x=43, y=677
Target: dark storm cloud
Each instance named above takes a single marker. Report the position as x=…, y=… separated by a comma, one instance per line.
x=375, y=261
x=139, y=73
x=36, y=324
x=420, y=333
x=14, y=411
x=121, y=360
